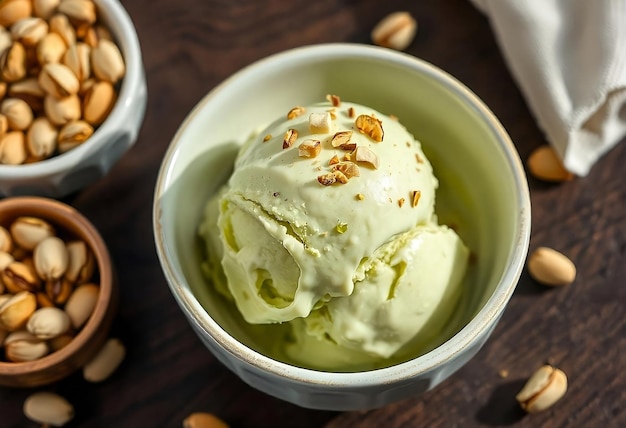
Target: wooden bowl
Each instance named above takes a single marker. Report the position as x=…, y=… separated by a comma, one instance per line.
x=92, y=335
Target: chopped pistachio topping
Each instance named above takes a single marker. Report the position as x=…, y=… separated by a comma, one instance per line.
x=370, y=126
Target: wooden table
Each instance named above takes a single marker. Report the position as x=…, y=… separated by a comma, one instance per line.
x=191, y=46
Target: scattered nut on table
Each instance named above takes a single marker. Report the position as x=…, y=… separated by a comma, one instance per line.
x=105, y=362
x=396, y=31
x=203, y=420
x=47, y=288
x=544, y=164
x=58, y=64
x=48, y=408
x=544, y=388
x=549, y=267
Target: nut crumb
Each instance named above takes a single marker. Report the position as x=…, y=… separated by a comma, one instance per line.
x=309, y=148
x=290, y=137
x=393, y=117
x=342, y=140
x=341, y=227
x=334, y=100
x=326, y=179
x=295, y=112
x=418, y=158
x=349, y=169
x=370, y=126
x=334, y=160
x=333, y=113
x=416, y=198
x=347, y=157
x=267, y=138
x=351, y=112
x=400, y=202
x=360, y=196
x=364, y=154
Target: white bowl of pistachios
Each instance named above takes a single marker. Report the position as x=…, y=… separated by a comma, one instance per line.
x=58, y=292
x=72, y=93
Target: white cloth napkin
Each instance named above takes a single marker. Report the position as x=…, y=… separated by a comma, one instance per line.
x=569, y=59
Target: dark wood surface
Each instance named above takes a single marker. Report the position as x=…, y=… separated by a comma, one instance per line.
x=189, y=47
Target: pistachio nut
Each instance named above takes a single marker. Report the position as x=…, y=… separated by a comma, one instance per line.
x=19, y=276
x=98, y=102
x=58, y=80
x=13, y=63
x=41, y=138
x=107, y=61
x=5, y=39
x=18, y=113
x=62, y=110
x=50, y=258
x=3, y=89
x=4, y=124
x=544, y=164
x=29, y=91
x=6, y=242
x=45, y=8
x=82, y=303
x=27, y=231
x=81, y=262
x=14, y=313
x=12, y=148
x=203, y=420
x=105, y=362
x=50, y=49
x=48, y=408
x=22, y=346
x=73, y=134
x=29, y=31
x=544, y=388
x=77, y=58
x=93, y=35
x=5, y=259
x=78, y=11
x=46, y=323
x=60, y=341
x=58, y=290
x=12, y=11
x=549, y=267
x=60, y=24
x=85, y=86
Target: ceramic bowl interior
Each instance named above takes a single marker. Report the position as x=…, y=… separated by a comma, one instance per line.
x=83, y=165
x=92, y=335
x=483, y=193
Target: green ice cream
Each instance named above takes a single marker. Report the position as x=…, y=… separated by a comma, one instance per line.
x=327, y=223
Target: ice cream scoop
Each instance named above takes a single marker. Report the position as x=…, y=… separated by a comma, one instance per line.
x=328, y=217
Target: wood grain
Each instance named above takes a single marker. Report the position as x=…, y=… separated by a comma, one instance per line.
x=191, y=46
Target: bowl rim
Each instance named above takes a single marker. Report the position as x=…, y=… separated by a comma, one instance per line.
x=23, y=205
x=128, y=42
x=451, y=348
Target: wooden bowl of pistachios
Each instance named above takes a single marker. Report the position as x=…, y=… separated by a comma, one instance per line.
x=72, y=93
x=58, y=292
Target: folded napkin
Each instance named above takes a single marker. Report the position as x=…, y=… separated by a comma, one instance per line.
x=569, y=59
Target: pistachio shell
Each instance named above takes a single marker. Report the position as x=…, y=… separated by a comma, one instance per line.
x=27, y=231
x=45, y=8
x=107, y=61
x=12, y=11
x=544, y=164
x=62, y=110
x=22, y=346
x=48, y=408
x=12, y=148
x=74, y=134
x=81, y=304
x=14, y=313
x=78, y=11
x=51, y=49
x=18, y=113
x=50, y=258
x=13, y=63
x=60, y=24
x=77, y=59
x=46, y=323
x=81, y=262
x=98, y=102
x=544, y=388
x=29, y=31
x=105, y=362
x=6, y=242
x=41, y=138
x=19, y=276
x=58, y=80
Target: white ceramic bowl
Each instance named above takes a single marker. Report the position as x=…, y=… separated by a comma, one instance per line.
x=483, y=191
x=85, y=164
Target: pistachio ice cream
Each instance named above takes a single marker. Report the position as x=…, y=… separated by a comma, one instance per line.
x=327, y=224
